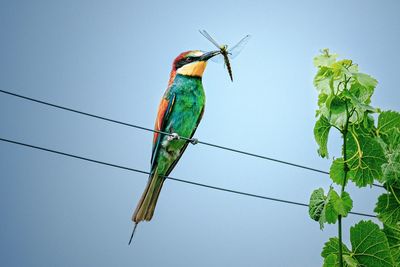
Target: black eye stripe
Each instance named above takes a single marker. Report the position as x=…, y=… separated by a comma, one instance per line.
x=185, y=61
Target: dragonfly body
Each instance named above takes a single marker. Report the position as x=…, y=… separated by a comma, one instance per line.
x=224, y=52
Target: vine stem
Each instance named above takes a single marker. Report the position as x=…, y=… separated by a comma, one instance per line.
x=346, y=169
x=340, y=240
x=343, y=186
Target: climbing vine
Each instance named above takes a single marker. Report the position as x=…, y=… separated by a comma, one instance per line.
x=370, y=153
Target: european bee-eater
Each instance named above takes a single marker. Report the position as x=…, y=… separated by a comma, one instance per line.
x=179, y=114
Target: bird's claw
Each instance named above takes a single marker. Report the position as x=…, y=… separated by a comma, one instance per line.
x=173, y=136
x=194, y=141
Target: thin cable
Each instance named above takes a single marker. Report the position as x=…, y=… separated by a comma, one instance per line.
x=192, y=140
x=168, y=177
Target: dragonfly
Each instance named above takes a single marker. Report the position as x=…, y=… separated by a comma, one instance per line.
x=225, y=52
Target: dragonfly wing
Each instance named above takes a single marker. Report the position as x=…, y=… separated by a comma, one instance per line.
x=209, y=38
x=218, y=59
x=235, y=50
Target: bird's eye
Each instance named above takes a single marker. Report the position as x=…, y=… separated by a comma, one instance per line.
x=188, y=59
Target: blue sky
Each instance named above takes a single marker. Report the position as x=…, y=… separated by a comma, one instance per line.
x=113, y=58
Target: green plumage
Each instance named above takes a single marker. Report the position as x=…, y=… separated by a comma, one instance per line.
x=186, y=100
x=184, y=118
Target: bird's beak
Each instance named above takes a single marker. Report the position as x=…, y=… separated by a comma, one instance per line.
x=206, y=56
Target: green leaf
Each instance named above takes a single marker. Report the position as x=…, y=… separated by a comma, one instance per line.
x=338, y=114
x=366, y=157
x=331, y=261
x=366, y=80
x=362, y=93
x=392, y=138
x=321, y=133
x=337, y=171
x=329, y=212
x=391, y=169
x=359, y=105
x=325, y=108
x=317, y=203
x=342, y=204
x=322, y=99
x=393, y=236
x=342, y=69
x=335, y=205
x=327, y=79
x=390, y=142
x=370, y=245
x=332, y=248
x=368, y=126
x=350, y=261
x=323, y=80
x=388, y=208
x=325, y=59
x=388, y=120
x=325, y=209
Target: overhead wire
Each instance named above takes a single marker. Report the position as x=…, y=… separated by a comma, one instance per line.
x=192, y=140
x=167, y=177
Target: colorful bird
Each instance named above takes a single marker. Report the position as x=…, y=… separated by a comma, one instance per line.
x=179, y=114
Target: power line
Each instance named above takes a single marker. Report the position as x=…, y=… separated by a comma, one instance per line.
x=192, y=140
x=167, y=177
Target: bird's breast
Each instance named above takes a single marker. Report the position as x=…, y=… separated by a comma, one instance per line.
x=188, y=105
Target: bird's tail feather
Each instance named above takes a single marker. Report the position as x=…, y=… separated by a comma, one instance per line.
x=147, y=204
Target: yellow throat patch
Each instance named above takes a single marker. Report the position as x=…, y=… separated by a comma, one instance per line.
x=193, y=69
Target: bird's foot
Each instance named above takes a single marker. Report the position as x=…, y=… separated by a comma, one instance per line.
x=173, y=136
x=194, y=141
